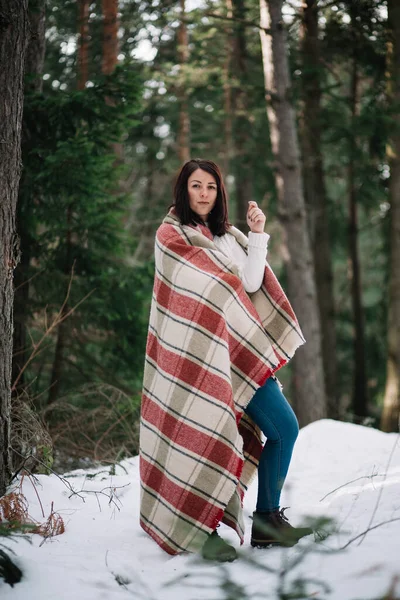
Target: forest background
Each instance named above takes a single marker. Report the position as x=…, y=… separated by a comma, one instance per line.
x=300, y=109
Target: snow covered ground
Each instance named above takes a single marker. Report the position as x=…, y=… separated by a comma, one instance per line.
x=346, y=472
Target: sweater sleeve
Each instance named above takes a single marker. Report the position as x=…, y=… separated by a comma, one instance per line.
x=250, y=266
x=251, y=269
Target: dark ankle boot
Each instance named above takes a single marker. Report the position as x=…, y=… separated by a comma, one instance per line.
x=215, y=548
x=274, y=529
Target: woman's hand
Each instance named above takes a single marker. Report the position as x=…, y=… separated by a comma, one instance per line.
x=255, y=218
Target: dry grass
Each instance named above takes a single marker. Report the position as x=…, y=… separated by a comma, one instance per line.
x=30, y=438
x=102, y=427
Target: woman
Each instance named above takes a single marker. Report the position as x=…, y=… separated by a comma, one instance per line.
x=220, y=326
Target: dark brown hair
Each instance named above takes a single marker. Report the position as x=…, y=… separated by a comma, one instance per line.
x=218, y=218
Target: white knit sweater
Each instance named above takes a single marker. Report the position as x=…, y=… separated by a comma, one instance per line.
x=251, y=266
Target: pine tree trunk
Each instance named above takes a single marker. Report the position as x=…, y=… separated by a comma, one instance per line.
x=34, y=61
x=63, y=327
x=184, y=118
x=316, y=197
x=35, y=52
x=21, y=302
x=391, y=402
x=242, y=126
x=83, y=47
x=110, y=37
x=308, y=380
x=360, y=398
x=228, y=141
x=58, y=362
x=13, y=39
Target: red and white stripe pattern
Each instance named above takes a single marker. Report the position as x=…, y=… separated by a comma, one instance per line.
x=209, y=348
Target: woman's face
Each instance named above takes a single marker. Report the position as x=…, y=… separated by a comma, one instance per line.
x=202, y=189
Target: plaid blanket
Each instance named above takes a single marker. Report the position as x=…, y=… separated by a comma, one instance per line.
x=210, y=346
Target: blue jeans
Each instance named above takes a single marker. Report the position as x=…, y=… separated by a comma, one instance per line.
x=270, y=410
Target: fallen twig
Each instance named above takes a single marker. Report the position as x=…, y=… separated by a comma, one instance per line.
x=381, y=490
x=364, y=533
x=103, y=492
x=352, y=481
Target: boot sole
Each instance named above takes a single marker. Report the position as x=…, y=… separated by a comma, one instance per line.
x=272, y=543
x=219, y=559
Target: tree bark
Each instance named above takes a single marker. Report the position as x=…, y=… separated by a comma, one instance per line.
x=242, y=126
x=391, y=401
x=359, y=396
x=110, y=36
x=316, y=197
x=34, y=61
x=83, y=47
x=63, y=327
x=184, y=118
x=58, y=362
x=13, y=39
x=35, y=52
x=226, y=77
x=308, y=380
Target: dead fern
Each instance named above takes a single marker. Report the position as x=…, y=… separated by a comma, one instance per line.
x=52, y=527
x=14, y=514
x=14, y=510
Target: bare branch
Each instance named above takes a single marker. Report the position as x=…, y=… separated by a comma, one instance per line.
x=381, y=490
x=59, y=318
x=235, y=19
x=31, y=479
x=29, y=280
x=352, y=481
x=46, y=466
x=364, y=533
x=111, y=495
